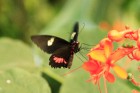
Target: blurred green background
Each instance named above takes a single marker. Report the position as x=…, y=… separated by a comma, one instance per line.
x=24, y=67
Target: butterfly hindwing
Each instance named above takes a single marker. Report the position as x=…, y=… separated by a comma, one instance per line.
x=61, y=58
x=49, y=43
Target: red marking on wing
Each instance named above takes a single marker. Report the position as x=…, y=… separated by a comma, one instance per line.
x=59, y=60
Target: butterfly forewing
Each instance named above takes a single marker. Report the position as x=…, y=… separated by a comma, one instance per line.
x=49, y=43
x=74, y=34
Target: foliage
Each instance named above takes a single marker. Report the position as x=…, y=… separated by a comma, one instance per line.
x=24, y=68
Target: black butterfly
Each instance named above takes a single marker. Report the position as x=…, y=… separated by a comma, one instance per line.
x=61, y=50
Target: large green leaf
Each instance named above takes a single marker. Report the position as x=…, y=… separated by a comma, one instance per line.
x=14, y=53
x=17, y=80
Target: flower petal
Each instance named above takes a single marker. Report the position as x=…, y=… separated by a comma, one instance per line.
x=110, y=77
x=120, y=72
x=136, y=54
x=119, y=53
x=138, y=41
x=97, y=55
x=115, y=35
x=107, y=45
x=92, y=66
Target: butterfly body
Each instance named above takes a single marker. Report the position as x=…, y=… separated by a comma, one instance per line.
x=62, y=51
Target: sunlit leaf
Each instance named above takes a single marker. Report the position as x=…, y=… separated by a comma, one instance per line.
x=20, y=81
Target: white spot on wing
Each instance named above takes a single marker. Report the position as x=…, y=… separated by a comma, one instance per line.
x=73, y=34
x=50, y=42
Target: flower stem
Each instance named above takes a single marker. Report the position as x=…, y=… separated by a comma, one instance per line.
x=105, y=84
x=99, y=86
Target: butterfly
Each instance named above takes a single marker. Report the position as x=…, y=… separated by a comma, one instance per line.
x=62, y=51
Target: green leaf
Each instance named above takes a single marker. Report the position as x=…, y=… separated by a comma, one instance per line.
x=14, y=53
x=73, y=11
x=20, y=81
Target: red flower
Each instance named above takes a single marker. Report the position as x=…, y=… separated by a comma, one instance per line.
x=102, y=58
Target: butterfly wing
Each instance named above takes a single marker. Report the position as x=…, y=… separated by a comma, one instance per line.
x=61, y=50
x=62, y=58
x=74, y=34
x=49, y=43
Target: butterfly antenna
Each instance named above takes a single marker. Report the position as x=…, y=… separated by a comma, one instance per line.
x=87, y=44
x=80, y=52
x=84, y=48
x=82, y=28
x=79, y=58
